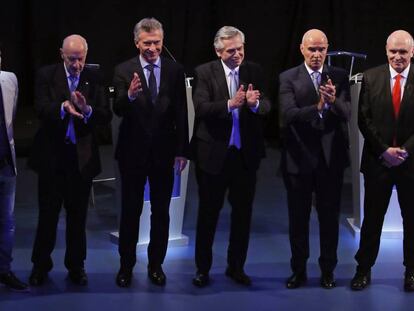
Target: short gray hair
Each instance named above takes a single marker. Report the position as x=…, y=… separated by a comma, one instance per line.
x=147, y=24
x=225, y=33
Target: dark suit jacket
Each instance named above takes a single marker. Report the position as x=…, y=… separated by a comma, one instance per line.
x=377, y=123
x=151, y=131
x=213, y=122
x=305, y=133
x=51, y=90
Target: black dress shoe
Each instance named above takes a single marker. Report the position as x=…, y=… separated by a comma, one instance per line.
x=327, y=280
x=12, y=282
x=201, y=279
x=157, y=276
x=409, y=281
x=37, y=277
x=238, y=276
x=124, y=277
x=78, y=276
x=361, y=280
x=296, y=280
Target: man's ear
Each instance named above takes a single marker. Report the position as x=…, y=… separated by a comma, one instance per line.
x=218, y=53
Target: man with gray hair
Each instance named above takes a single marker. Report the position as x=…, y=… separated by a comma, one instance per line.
x=8, y=103
x=153, y=138
x=386, y=120
x=227, y=148
x=70, y=102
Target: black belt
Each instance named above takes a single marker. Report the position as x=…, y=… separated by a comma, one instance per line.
x=5, y=161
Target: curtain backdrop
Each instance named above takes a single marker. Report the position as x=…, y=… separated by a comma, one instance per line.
x=31, y=32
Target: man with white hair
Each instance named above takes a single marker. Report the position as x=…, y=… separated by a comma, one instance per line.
x=228, y=145
x=69, y=102
x=8, y=102
x=386, y=120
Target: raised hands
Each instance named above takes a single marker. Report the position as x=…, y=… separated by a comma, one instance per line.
x=77, y=103
x=238, y=99
x=328, y=92
x=252, y=96
x=134, y=87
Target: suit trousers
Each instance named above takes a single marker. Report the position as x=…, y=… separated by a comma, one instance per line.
x=378, y=190
x=326, y=183
x=7, y=194
x=240, y=183
x=63, y=186
x=160, y=179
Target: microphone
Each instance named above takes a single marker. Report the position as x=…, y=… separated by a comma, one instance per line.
x=169, y=53
x=187, y=80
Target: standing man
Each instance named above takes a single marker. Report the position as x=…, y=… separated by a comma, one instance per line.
x=228, y=145
x=8, y=103
x=70, y=103
x=315, y=108
x=386, y=120
x=153, y=138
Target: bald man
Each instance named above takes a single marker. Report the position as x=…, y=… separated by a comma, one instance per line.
x=315, y=108
x=69, y=102
x=386, y=120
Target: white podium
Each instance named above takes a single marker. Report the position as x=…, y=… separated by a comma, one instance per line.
x=392, y=227
x=177, y=205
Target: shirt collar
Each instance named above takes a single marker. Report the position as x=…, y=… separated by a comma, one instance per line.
x=310, y=70
x=404, y=74
x=68, y=75
x=144, y=63
x=227, y=70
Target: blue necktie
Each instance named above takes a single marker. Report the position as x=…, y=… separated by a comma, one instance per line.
x=235, y=139
x=316, y=79
x=152, y=83
x=70, y=132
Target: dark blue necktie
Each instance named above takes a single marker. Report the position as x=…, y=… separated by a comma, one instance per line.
x=152, y=83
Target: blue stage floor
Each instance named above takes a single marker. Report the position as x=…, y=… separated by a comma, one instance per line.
x=267, y=263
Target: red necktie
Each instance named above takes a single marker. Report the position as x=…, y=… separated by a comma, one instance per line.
x=396, y=95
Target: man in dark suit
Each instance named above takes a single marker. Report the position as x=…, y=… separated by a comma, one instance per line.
x=315, y=107
x=227, y=145
x=153, y=137
x=386, y=120
x=69, y=102
x=9, y=91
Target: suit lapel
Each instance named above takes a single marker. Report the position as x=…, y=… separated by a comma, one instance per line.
x=220, y=77
x=61, y=81
x=305, y=81
x=164, y=75
x=83, y=85
x=408, y=90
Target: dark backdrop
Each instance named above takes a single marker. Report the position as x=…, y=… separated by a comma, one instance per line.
x=31, y=32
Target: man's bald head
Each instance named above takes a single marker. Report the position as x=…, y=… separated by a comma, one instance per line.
x=399, y=49
x=73, y=52
x=74, y=41
x=314, y=47
x=314, y=35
